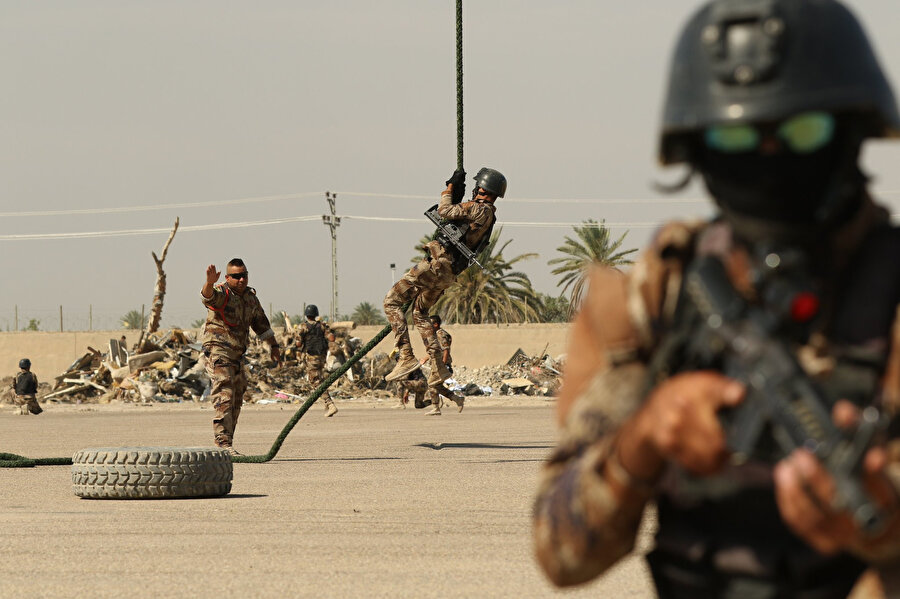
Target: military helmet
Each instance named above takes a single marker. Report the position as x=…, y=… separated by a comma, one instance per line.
x=492, y=181
x=740, y=61
x=312, y=311
x=24, y=363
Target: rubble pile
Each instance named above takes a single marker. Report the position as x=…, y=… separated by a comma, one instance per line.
x=171, y=367
x=521, y=375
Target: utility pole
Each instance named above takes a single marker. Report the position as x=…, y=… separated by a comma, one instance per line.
x=333, y=222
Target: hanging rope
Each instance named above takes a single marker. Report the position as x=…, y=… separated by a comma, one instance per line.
x=459, y=86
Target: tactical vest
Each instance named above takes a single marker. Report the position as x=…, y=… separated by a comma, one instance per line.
x=314, y=342
x=26, y=383
x=723, y=536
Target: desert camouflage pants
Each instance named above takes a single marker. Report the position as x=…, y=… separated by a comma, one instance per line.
x=28, y=403
x=417, y=386
x=434, y=390
x=228, y=382
x=423, y=285
x=315, y=371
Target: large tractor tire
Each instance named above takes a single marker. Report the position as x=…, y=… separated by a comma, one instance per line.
x=151, y=472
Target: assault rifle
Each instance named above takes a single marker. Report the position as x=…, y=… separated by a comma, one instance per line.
x=720, y=330
x=452, y=234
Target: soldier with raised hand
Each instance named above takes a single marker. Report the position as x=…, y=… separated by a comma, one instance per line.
x=25, y=386
x=313, y=337
x=770, y=103
x=233, y=309
x=424, y=283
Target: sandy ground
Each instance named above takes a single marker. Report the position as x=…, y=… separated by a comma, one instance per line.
x=374, y=502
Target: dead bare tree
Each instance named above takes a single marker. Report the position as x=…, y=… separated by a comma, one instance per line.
x=159, y=292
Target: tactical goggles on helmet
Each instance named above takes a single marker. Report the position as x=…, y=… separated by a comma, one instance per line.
x=238, y=275
x=803, y=133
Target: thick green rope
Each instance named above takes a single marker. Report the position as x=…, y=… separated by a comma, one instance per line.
x=258, y=459
x=11, y=460
x=459, y=86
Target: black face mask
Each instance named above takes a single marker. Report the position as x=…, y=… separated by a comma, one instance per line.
x=787, y=188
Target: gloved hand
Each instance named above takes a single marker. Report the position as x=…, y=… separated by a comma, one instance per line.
x=457, y=179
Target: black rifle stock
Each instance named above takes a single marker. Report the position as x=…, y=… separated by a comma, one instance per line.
x=726, y=333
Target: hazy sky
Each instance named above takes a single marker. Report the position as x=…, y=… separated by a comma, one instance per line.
x=110, y=105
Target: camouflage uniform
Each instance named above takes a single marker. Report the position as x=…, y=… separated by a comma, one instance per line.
x=425, y=282
x=226, y=335
x=436, y=387
x=25, y=385
x=588, y=508
x=312, y=339
x=414, y=383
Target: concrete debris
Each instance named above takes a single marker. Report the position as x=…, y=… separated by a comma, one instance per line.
x=173, y=369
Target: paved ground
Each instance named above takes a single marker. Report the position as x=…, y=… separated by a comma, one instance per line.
x=372, y=503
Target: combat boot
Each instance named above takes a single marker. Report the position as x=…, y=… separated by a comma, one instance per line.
x=34, y=407
x=330, y=408
x=420, y=403
x=459, y=400
x=403, y=368
x=436, y=410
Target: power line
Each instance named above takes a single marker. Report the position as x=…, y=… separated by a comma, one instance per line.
x=295, y=219
x=125, y=232
x=124, y=209
x=306, y=194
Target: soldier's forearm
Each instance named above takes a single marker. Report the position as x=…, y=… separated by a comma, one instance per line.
x=207, y=290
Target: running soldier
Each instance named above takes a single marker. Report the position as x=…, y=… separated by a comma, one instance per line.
x=424, y=283
x=233, y=310
x=313, y=337
x=436, y=388
x=25, y=386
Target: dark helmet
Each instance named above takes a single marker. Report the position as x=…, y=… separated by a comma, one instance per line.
x=312, y=311
x=24, y=363
x=492, y=181
x=762, y=61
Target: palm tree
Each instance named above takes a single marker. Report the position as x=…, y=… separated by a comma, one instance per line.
x=365, y=313
x=132, y=320
x=497, y=294
x=593, y=246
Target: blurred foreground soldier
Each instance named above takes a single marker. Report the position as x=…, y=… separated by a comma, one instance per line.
x=233, y=310
x=425, y=282
x=769, y=102
x=312, y=338
x=25, y=386
x=436, y=388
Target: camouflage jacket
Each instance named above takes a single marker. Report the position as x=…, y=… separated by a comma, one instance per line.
x=588, y=508
x=229, y=318
x=444, y=341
